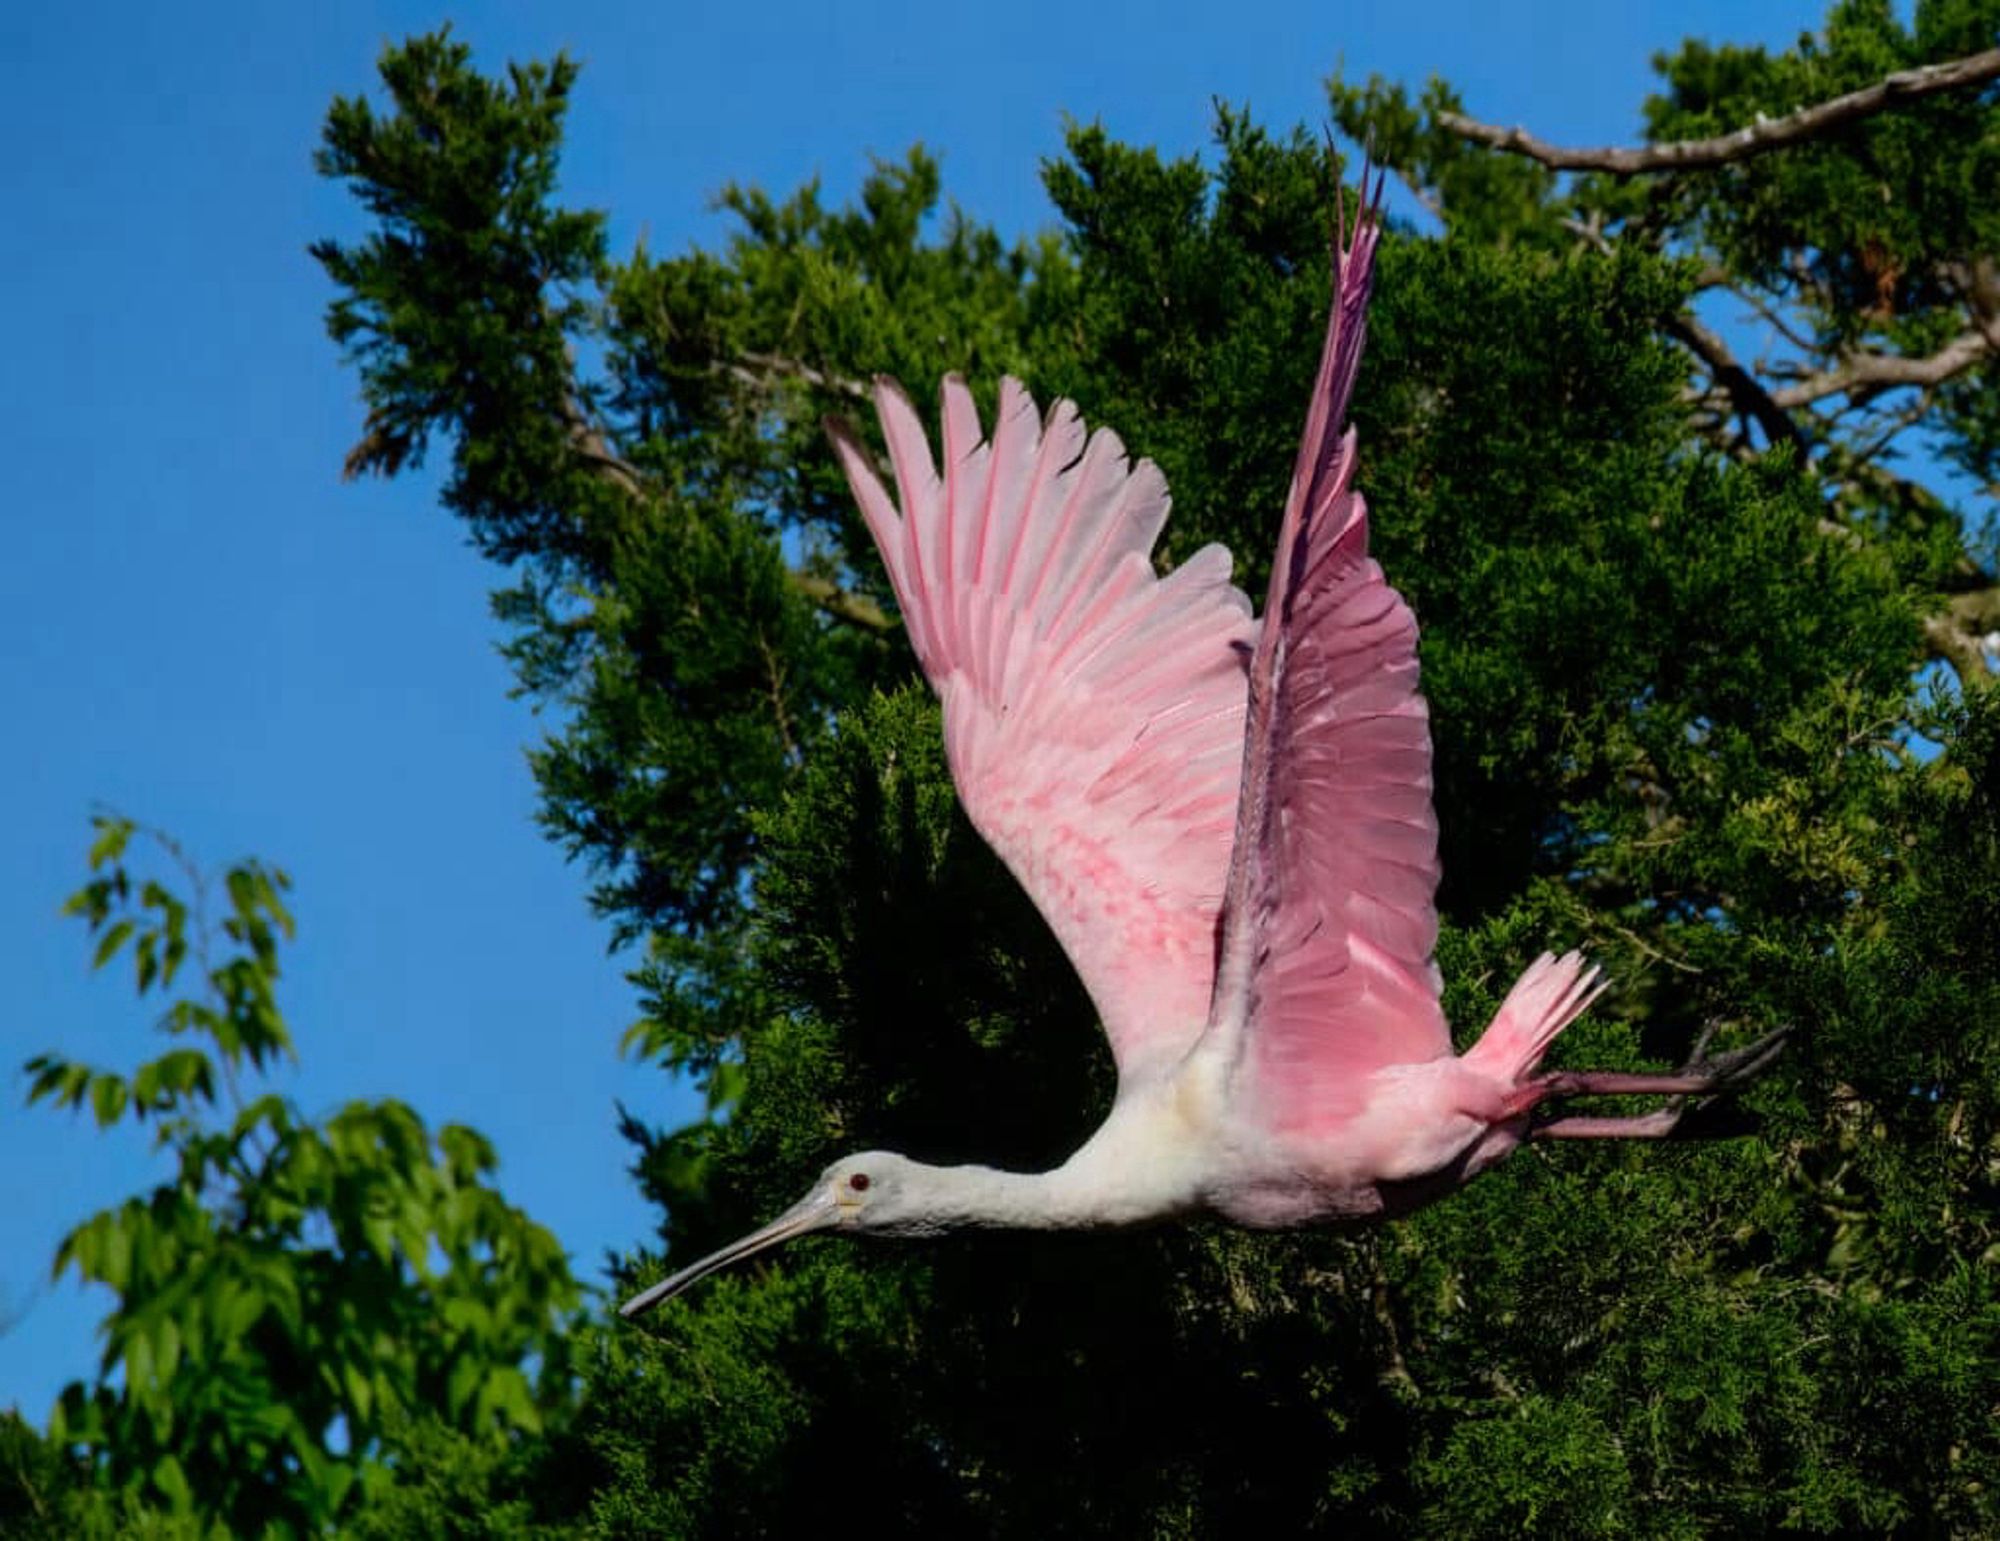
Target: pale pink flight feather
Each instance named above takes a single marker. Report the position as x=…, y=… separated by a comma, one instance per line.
x=1093, y=710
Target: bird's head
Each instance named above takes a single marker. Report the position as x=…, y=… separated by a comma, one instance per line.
x=876, y=1190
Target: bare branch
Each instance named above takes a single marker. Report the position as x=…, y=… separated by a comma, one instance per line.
x=855, y=609
x=596, y=452
x=1590, y=232
x=758, y=368
x=1770, y=315
x=1759, y=138
x=1957, y=633
x=1426, y=198
x=1868, y=372
x=1963, y=652
x=1889, y=426
x=1743, y=388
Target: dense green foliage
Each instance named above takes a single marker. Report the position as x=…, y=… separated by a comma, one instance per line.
x=1702, y=644
x=305, y=1306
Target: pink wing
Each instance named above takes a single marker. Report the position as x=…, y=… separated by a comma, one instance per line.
x=1326, y=970
x=1093, y=710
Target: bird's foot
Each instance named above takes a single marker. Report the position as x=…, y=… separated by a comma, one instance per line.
x=1738, y=1065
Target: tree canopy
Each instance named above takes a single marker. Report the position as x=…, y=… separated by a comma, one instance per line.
x=1685, y=460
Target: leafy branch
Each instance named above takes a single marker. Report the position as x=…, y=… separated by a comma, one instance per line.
x=299, y=1294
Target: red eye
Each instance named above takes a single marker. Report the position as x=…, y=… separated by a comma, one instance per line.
x=858, y=1182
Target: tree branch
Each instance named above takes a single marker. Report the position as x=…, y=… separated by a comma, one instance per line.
x=1957, y=633
x=596, y=452
x=1947, y=641
x=758, y=368
x=1770, y=315
x=1894, y=424
x=855, y=609
x=1742, y=387
x=1759, y=138
x=1954, y=633
x=1867, y=372
x=1427, y=199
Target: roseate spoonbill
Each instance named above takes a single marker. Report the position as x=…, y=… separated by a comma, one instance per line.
x=1228, y=825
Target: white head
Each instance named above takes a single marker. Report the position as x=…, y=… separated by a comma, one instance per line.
x=876, y=1190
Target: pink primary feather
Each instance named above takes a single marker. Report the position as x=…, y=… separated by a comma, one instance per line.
x=1326, y=971
x=1093, y=710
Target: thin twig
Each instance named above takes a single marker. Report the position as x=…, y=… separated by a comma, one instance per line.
x=1894, y=424
x=1425, y=197
x=1772, y=317
x=774, y=673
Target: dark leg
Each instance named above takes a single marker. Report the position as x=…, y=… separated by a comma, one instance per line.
x=1577, y=1126
x=1700, y=1077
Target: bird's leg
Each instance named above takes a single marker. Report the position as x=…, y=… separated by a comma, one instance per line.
x=1699, y=1077
x=1578, y=1126
x=1656, y=1125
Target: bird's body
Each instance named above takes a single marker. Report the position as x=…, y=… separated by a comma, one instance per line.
x=1226, y=822
x=1185, y=1143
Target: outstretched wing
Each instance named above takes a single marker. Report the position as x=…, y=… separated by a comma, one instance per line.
x=1093, y=710
x=1325, y=967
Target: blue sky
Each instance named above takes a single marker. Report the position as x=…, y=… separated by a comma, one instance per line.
x=200, y=625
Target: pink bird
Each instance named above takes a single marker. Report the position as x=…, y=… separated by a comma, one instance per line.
x=1228, y=825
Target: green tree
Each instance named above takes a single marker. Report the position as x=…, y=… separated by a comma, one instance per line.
x=1680, y=621
x=306, y=1309
x=1844, y=300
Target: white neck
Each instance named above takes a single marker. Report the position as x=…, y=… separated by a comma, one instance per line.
x=1148, y=1161
x=1061, y=1199
x=1089, y=1191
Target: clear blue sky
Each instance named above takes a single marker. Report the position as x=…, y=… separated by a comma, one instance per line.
x=202, y=626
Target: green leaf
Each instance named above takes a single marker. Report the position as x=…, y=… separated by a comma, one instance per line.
x=114, y=938
x=113, y=834
x=108, y=1097
x=266, y=1303
x=172, y=1484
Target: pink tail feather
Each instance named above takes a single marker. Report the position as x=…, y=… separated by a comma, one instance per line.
x=1550, y=995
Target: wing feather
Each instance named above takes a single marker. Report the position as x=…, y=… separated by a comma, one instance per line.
x=1093, y=710
x=1325, y=971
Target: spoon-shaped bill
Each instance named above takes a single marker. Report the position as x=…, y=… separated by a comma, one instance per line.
x=814, y=1212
